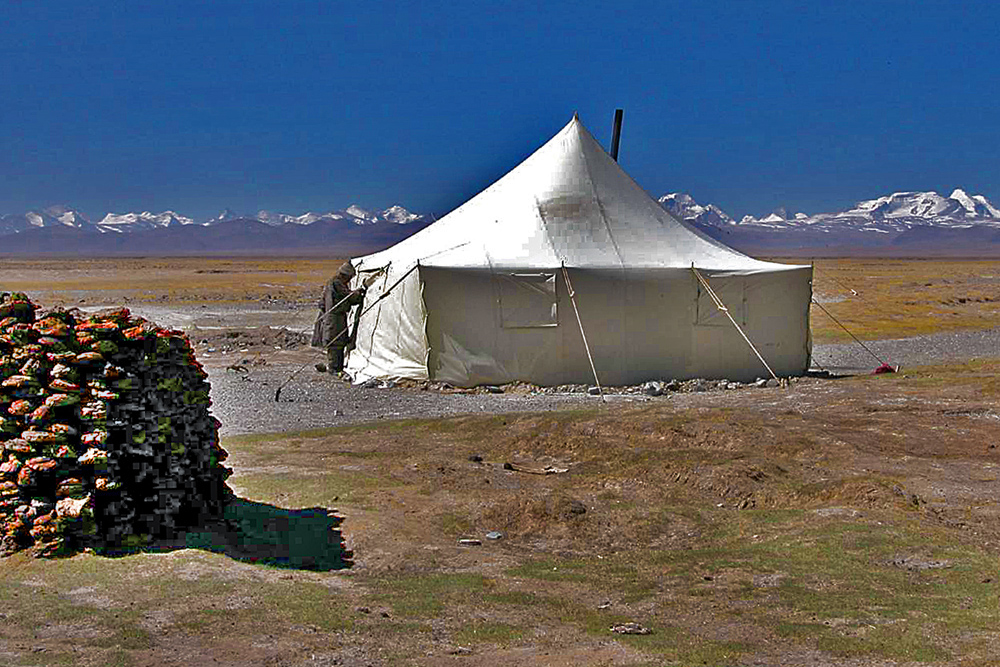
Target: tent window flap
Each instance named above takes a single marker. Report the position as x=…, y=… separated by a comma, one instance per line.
x=528, y=300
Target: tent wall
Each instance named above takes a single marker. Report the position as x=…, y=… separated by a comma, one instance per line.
x=775, y=318
x=391, y=339
x=641, y=324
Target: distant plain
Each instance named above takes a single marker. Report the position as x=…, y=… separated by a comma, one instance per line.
x=874, y=298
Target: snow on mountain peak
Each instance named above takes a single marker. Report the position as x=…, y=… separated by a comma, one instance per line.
x=976, y=207
x=909, y=204
x=365, y=217
x=895, y=212
x=144, y=220
x=987, y=205
x=56, y=216
x=66, y=216
x=399, y=215
x=307, y=218
x=354, y=213
x=684, y=207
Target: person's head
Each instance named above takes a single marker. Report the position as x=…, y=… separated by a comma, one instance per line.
x=346, y=271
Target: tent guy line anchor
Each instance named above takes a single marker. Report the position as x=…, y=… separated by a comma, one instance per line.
x=722, y=307
x=856, y=339
x=586, y=346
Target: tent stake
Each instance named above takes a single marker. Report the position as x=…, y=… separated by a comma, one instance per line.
x=722, y=307
x=572, y=297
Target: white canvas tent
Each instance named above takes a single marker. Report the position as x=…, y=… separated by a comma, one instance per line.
x=479, y=297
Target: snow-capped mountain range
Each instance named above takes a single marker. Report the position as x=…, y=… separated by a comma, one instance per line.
x=897, y=212
x=918, y=224
x=394, y=214
x=62, y=216
x=911, y=224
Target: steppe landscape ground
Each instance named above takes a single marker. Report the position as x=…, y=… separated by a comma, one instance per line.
x=845, y=521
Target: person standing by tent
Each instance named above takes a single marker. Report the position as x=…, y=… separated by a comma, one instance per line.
x=330, y=331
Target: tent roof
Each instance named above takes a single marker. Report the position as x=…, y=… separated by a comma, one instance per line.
x=568, y=202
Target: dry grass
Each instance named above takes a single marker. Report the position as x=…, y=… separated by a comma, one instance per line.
x=881, y=298
x=167, y=280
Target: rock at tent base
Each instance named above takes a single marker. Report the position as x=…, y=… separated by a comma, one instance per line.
x=594, y=391
x=652, y=388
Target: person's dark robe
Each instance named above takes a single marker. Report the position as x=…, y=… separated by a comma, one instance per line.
x=332, y=319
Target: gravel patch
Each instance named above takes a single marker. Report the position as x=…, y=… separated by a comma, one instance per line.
x=244, y=401
x=916, y=351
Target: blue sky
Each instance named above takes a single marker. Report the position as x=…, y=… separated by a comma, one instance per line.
x=295, y=106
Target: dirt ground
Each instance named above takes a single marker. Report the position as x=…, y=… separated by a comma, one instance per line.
x=850, y=521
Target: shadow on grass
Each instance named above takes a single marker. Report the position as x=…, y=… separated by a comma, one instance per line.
x=303, y=539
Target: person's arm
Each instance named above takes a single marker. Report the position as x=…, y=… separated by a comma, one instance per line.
x=357, y=297
x=344, y=298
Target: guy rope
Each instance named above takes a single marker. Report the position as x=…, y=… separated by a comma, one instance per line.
x=885, y=367
x=572, y=298
x=722, y=307
x=856, y=339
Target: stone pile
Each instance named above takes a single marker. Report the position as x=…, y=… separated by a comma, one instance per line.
x=106, y=440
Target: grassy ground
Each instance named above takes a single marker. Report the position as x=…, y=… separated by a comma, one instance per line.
x=847, y=522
